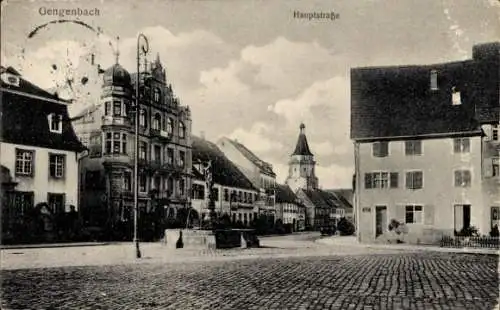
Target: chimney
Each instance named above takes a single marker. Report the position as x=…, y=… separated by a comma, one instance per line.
x=202, y=135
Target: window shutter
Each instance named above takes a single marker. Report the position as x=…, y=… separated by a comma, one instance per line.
x=429, y=215
x=400, y=213
x=368, y=180
x=394, y=179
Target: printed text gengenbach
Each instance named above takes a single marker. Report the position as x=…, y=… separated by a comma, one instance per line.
x=68, y=12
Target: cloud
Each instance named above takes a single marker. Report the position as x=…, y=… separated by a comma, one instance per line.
x=323, y=148
x=257, y=138
x=335, y=176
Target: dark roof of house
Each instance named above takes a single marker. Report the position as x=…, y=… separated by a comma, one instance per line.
x=263, y=166
x=284, y=194
x=389, y=102
x=224, y=172
x=344, y=196
x=25, y=119
x=302, y=147
x=322, y=199
x=27, y=87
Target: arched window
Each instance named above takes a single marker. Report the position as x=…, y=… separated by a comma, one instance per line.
x=182, y=130
x=170, y=126
x=156, y=94
x=157, y=121
x=142, y=118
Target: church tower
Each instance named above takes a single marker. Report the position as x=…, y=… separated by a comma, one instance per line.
x=301, y=173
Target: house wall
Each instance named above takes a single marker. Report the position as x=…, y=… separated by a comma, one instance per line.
x=41, y=183
x=438, y=195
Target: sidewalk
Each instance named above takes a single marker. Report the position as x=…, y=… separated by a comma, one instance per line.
x=49, y=245
x=350, y=241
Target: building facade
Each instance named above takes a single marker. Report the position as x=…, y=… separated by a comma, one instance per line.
x=259, y=172
x=164, y=151
x=426, y=146
x=40, y=153
x=234, y=194
x=289, y=208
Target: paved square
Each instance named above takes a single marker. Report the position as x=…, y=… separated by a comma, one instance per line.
x=365, y=281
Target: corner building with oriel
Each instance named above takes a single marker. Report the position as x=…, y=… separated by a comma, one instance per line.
x=108, y=130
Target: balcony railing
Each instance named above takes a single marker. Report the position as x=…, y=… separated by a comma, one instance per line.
x=160, y=134
x=116, y=120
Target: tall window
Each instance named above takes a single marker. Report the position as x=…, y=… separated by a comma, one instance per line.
x=413, y=147
x=182, y=159
x=56, y=202
x=127, y=181
x=157, y=153
x=182, y=187
x=170, y=185
x=117, y=108
x=226, y=194
x=143, y=150
x=157, y=121
x=115, y=143
x=380, y=149
x=414, y=214
x=434, y=80
x=142, y=118
x=495, y=217
x=107, y=108
x=142, y=183
x=182, y=130
x=56, y=165
x=55, y=123
x=495, y=167
x=170, y=156
x=157, y=182
x=495, y=130
x=414, y=180
x=461, y=145
x=156, y=94
x=462, y=178
x=24, y=162
x=170, y=126
x=381, y=180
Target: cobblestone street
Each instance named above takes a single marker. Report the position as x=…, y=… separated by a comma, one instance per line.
x=376, y=280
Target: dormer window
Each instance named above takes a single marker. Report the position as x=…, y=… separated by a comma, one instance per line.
x=434, y=80
x=55, y=123
x=455, y=96
x=11, y=79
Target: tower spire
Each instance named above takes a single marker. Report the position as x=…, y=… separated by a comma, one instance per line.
x=302, y=147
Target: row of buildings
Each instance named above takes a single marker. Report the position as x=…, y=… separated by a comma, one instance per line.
x=426, y=142
x=86, y=162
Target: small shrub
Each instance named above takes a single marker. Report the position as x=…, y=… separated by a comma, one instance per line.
x=470, y=231
x=345, y=227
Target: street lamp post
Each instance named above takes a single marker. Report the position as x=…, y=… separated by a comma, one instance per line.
x=144, y=48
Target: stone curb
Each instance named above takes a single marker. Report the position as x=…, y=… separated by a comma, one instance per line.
x=49, y=245
x=331, y=242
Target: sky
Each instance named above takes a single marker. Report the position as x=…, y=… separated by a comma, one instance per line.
x=248, y=69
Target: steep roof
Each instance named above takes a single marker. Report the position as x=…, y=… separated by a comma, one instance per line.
x=263, y=166
x=224, y=172
x=25, y=118
x=344, y=196
x=322, y=199
x=397, y=101
x=284, y=194
x=302, y=147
